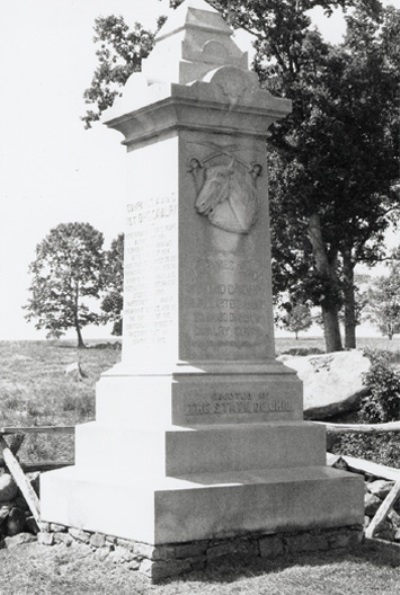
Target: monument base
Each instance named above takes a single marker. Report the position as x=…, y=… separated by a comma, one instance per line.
x=249, y=467
x=198, y=506
x=173, y=559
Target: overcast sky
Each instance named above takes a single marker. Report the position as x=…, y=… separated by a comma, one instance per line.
x=51, y=169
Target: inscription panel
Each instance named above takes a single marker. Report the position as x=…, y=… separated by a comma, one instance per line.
x=237, y=403
x=226, y=303
x=151, y=270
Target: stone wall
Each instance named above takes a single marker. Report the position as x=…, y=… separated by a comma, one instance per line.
x=164, y=561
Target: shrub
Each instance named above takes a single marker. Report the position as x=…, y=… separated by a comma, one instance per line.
x=380, y=404
x=304, y=351
x=382, y=401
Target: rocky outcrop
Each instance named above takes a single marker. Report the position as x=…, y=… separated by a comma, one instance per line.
x=333, y=382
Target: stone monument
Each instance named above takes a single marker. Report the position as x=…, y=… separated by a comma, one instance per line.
x=199, y=433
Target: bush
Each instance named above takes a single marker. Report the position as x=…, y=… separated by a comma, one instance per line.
x=381, y=404
x=303, y=351
x=382, y=401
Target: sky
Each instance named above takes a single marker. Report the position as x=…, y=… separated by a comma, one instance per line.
x=52, y=170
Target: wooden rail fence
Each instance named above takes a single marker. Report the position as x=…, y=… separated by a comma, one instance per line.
x=9, y=454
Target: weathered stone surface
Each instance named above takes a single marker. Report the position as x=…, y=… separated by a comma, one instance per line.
x=371, y=503
x=8, y=488
x=44, y=527
x=61, y=537
x=46, y=538
x=97, y=540
x=102, y=553
x=190, y=550
x=126, y=543
x=144, y=550
x=380, y=487
x=307, y=542
x=133, y=564
x=79, y=535
x=271, y=546
x=17, y=540
x=58, y=528
x=121, y=554
x=332, y=382
x=16, y=521
x=232, y=548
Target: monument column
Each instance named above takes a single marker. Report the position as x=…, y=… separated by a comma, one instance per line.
x=199, y=427
x=198, y=290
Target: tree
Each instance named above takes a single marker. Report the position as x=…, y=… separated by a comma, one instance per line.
x=120, y=54
x=112, y=302
x=334, y=182
x=334, y=160
x=67, y=269
x=383, y=301
x=297, y=318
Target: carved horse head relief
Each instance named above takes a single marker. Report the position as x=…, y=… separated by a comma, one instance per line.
x=227, y=194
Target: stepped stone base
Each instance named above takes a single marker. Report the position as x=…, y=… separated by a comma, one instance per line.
x=173, y=559
x=198, y=506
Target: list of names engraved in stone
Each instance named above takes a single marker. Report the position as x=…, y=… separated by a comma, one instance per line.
x=150, y=270
x=227, y=301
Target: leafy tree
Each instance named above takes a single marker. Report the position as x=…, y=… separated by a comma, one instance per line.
x=383, y=302
x=334, y=160
x=297, y=318
x=67, y=269
x=113, y=276
x=333, y=180
x=120, y=54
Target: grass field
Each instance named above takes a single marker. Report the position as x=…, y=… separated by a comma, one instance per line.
x=36, y=391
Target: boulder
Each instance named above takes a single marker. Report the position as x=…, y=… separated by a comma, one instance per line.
x=17, y=540
x=16, y=521
x=380, y=487
x=332, y=382
x=8, y=488
x=371, y=504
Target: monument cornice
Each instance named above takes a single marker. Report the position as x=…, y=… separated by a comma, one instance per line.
x=174, y=114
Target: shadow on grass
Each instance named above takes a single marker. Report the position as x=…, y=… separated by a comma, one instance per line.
x=226, y=571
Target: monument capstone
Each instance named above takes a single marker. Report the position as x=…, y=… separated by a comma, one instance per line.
x=199, y=427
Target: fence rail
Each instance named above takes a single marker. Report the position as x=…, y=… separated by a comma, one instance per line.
x=10, y=460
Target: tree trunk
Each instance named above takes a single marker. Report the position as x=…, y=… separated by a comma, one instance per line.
x=327, y=268
x=76, y=318
x=81, y=344
x=333, y=340
x=350, y=319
